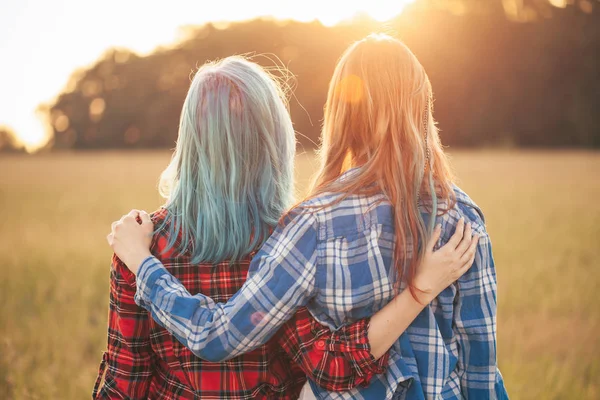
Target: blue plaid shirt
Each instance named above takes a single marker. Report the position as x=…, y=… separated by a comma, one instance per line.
x=338, y=262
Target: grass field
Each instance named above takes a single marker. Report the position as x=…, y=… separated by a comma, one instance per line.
x=543, y=215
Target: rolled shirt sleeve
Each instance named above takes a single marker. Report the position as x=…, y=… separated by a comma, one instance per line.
x=335, y=360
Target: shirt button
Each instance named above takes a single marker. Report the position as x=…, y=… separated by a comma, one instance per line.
x=320, y=344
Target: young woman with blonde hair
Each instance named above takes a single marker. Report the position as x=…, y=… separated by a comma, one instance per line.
x=361, y=237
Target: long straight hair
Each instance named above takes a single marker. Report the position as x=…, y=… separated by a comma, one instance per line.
x=231, y=175
x=379, y=116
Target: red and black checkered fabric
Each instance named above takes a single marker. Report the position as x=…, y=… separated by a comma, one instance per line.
x=144, y=361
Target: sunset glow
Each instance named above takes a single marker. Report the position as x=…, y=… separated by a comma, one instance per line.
x=33, y=139
x=331, y=13
x=37, y=66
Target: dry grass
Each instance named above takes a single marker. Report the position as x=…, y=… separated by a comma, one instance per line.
x=542, y=212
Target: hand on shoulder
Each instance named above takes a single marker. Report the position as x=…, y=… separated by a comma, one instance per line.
x=130, y=238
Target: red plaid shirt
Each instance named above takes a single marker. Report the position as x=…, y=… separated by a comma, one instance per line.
x=144, y=361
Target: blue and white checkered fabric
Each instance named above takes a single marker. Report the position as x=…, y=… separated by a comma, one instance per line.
x=338, y=261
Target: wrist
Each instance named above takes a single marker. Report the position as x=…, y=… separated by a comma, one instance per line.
x=418, y=301
x=135, y=260
x=424, y=297
x=424, y=291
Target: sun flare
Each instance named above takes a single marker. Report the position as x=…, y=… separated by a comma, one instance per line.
x=32, y=134
x=33, y=140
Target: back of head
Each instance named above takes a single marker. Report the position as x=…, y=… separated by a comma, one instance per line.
x=231, y=176
x=379, y=116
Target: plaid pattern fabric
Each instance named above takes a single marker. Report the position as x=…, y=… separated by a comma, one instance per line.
x=144, y=361
x=337, y=262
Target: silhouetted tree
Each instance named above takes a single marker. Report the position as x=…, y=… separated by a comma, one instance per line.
x=9, y=142
x=532, y=79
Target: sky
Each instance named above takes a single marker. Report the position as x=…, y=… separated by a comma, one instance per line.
x=42, y=42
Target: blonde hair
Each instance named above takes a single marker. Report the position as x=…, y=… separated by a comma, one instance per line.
x=379, y=116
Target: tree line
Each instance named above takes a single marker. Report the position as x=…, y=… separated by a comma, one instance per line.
x=501, y=76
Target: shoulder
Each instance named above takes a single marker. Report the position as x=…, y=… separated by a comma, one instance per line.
x=162, y=231
x=159, y=216
x=468, y=208
x=464, y=207
x=335, y=215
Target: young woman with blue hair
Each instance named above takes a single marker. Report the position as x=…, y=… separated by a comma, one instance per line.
x=365, y=231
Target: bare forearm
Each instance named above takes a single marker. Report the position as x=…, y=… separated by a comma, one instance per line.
x=391, y=321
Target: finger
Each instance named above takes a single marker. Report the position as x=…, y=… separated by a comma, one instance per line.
x=466, y=267
x=437, y=232
x=145, y=217
x=128, y=219
x=465, y=241
x=458, y=234
x=469, y=256
x=109, y=238
x=113, y=225
x=134, y=213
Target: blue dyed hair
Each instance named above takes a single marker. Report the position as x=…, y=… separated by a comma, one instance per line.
x=231, y=176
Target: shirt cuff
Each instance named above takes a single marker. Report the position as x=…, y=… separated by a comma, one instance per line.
x=353, y=340
x=150, y=271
